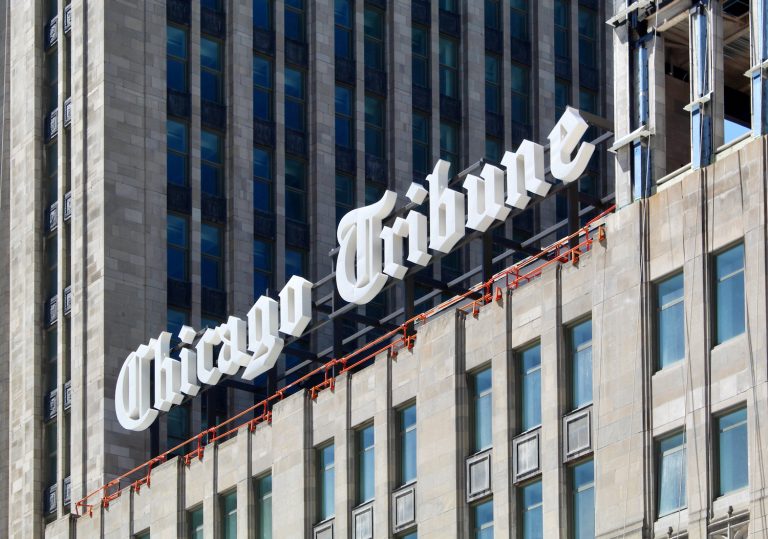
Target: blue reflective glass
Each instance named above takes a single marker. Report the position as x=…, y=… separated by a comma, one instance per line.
x=583, y=476
x=262, y=163
x=177, y=75
x=295, y=174
x=210, y=147
x=374, y=23
x=210, y=177
x=294, y=83
x=482, y=517
x=482, y=410
x=733, y=452
x=296, y=206
x=210, y=273
x=262, y=14
x=294, y=25
x=294, y=262
x=210, y=54
x=729, y=274
x=261, y=282
x=264, y=528
x=530, y=364
x=210, y=87
x=342, y=12
x=670, y=456
x=177, y=136
x=176, y=41
x=408, y=444
x=210, y=240
x=326, y=482
x=366, y=471
x=343, y=102
x=177, y=230
x=177, y=264
x=262, y=255
x=533, y=523
x=374, y=111
x=294, y=115
x=581, y=368
x=342, y=42
x=671, y=321
x=175, y=320
x=262, y=72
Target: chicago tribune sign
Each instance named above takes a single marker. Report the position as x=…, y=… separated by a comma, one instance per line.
x=369, y=255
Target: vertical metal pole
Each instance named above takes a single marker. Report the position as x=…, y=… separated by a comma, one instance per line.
x=759, y=50
x=701, y=102
x=641, y=153
x=573, y=213
x=487, y=255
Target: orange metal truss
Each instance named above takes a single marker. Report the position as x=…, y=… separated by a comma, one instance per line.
x=565, y=250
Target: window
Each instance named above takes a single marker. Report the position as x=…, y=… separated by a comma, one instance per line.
x=177, y=427
x=562, y=96
x=211, y=263
x=50, y=452
x=178, y=152
x=670, y=321
x=406, y=420
x=142, y=535
x=53, y=8
x=262, y=14
x=176, y=319
x=450, y=6
x=449, y=67
x=211, y=88
x=52, y=171
x=374, y=127
x=374, y=38
x=295, y=262
x=177, y=60
x=365, y=465
x=228, y=515
x=562, y=17
x=518, y=15
x=262, y=180
x=178, y=247
x=345, y=125
x=670, y=462
x=327, y=479
x=294, y=99
x=588, y=26
x=493, y=100
x=580, y=341
x=493, y=152
x=520, y=77
x=422, y=153
x=482, y=520
x=729, y=294
x=52, y=264
x=214, y=5
x=345, y=195
x=583, y=500
x=262, y=88
x=294, y=20
x=343, y=29
x=533, y=521
x=195, y=520
x=420, y=41
x=211, y=165
x=296, y=190
x=449, y=144
x=732, y=452
x=482, y=410
x=493, y=15
x=262, y=267
x=51, y=375
x=530, y=373
x=52, y=79
x=264, y=507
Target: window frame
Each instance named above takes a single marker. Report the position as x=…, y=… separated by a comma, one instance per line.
x=572, y=353
x=224, y=515
x=260, y=496
x=216, y=74
x=573, y=490
x=322, y=478
x=449, y=85
x=474, y=398
x=267, y=91
x=524, y=509
x=183, y=250
x=374, y=46
x=423, y=60
x=217, y=259
x=191, y=530
x=182, y=60
x=346, y=29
